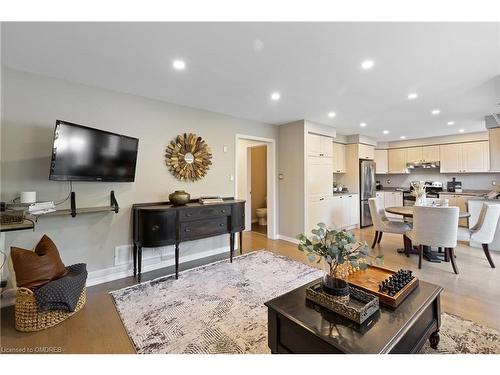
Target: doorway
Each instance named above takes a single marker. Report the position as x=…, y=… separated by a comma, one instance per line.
x=254, y=182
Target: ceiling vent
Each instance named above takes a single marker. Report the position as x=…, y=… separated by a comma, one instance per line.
x=492, y=121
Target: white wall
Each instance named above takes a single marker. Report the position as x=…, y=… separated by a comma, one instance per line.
x=32, y=103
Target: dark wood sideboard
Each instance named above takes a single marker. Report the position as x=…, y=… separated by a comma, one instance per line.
x=162, y=224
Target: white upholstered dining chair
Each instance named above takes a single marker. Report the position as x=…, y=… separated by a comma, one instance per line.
x=484, y=230
x=384, y=225
x=435, y=227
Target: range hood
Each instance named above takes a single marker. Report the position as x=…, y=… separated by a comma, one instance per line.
x=423, y=165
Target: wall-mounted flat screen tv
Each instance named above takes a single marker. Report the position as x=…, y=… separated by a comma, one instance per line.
x=80, y=153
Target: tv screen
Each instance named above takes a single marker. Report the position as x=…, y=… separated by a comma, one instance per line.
x=80, y=153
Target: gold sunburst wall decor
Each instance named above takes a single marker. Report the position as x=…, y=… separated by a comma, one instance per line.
x=188, y=157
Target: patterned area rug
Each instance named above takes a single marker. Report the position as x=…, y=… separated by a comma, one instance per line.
x=219, y=308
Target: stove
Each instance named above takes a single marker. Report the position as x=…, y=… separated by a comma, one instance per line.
x=432, y=190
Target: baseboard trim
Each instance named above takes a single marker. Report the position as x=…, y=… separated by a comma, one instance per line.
x=288, y=239
x=119, y=272
x=124, y=270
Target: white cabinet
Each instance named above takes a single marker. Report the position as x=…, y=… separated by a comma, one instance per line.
x=414, y=155
x=319, y=145
x=393, y=199
x=451, y=156
x=319, y=211
x=430, y=153
x=397, y=160
x=475, y=157
x=366, y=151
x=345, y=211
x=494, y=136
x=319, y=175
x=467, y=157
x=338, y=158
x=380, y=196
x=422, y=154
x=381, y=162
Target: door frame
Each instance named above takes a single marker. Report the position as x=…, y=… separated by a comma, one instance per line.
x=272, y=200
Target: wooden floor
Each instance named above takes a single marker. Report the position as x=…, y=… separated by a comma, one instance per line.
x=474, y=295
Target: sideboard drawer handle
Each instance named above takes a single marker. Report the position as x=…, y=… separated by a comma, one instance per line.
x=154, y=228
x=221, y=224
x=223, y=211
x=187, y=230
x=188, y=214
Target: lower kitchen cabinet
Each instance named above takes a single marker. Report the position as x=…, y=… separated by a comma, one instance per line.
x=341, y=211
x=345, y=212
x=392, y=199
x=459, y=201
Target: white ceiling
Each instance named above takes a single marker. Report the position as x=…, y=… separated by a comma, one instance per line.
x=232, y=68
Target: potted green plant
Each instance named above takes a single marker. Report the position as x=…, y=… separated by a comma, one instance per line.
x=336, y=248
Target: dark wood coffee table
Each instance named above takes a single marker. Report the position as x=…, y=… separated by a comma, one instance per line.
x=296, y=325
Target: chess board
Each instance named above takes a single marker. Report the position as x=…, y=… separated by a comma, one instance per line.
x=370, y=279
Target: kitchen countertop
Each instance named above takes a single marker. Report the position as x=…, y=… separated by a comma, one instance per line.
x=397, y=188
x=469, y=192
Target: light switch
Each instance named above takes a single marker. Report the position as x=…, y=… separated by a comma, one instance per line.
x=224, y=149
x=231, y=178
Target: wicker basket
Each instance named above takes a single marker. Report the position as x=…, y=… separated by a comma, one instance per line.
x=12, y=217
x=29, y=319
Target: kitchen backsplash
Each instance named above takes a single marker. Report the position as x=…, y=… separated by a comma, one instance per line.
x=469, y=180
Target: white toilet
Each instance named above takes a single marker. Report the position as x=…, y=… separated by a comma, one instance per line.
x=261, y=214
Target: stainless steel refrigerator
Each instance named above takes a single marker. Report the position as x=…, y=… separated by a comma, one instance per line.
x=366, y=190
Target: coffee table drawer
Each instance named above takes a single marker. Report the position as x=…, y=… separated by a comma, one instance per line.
x=203, y=228
x=205, y=212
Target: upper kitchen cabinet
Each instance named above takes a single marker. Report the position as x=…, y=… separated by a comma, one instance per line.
x=475, y=157
x=338, y=158
x=366, y=152
x=381, y=162
x=494, y=136
x=467, y=157
x=397, y=160
x=319, y=172
x=430, y=153
x=319, y=145
x=422, y=154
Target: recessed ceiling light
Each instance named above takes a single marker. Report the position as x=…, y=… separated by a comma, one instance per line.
x=451, y=122
x=367, y=64
x=461, y=130
x=331, y=114
x=275, y=96
x=363, y=124
x=412, y=96
x=386, y=132
x=179, y=65
x=436, y=111
x=403, y=137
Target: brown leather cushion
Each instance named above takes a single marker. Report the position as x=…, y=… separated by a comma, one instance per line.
x=36, y=268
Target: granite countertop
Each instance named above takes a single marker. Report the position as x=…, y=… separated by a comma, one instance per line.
x=470, y=192
x=395, y=188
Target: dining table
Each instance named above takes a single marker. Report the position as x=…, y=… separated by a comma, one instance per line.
x=429, y=255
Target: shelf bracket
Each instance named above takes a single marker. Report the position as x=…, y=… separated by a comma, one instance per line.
x=114, y=202
x=73, y=204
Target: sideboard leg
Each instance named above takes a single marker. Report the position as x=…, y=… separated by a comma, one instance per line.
x=231, y=247
x=176, y=260
x=241, y=242
x=434, y=340
x=135, y=259
x=140, y=264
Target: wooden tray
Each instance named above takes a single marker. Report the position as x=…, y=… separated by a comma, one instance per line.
x=369, y=279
